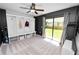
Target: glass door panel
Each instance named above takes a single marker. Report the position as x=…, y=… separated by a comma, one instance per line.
x=58, y=28
x=48, y=28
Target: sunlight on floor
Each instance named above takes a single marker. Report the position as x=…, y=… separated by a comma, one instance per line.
x=52, y=41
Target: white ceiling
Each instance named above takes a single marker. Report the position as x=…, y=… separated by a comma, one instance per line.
x=48, y=7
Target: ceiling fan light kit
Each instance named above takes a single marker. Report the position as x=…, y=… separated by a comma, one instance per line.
x=33, y=11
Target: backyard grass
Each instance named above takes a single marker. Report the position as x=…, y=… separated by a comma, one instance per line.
x=56, y=35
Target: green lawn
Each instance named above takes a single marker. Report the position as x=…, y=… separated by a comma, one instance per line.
x=57, y=33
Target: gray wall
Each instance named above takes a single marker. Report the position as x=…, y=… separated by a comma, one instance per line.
x=70, y=15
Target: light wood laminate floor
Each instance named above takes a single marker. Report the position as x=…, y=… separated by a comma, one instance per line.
x=30, y=46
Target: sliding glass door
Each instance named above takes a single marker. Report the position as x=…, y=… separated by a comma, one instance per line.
x=54, y=28
x=48, y=28
x=58, y=28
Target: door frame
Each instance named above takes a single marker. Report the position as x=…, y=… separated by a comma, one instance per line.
x=44, y=23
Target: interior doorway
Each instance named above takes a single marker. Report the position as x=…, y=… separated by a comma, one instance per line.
x=54, y=28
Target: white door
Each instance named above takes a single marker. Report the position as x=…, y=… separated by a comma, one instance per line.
x=12, y=28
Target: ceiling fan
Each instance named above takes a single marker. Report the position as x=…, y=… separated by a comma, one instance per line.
x=32, y=9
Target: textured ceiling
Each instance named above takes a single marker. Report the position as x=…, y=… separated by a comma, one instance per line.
x=48, y=7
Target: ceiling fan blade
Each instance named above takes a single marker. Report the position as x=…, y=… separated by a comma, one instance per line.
x=28, y=11
x=24, y=8
x=36, y=12
x=39, y=9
